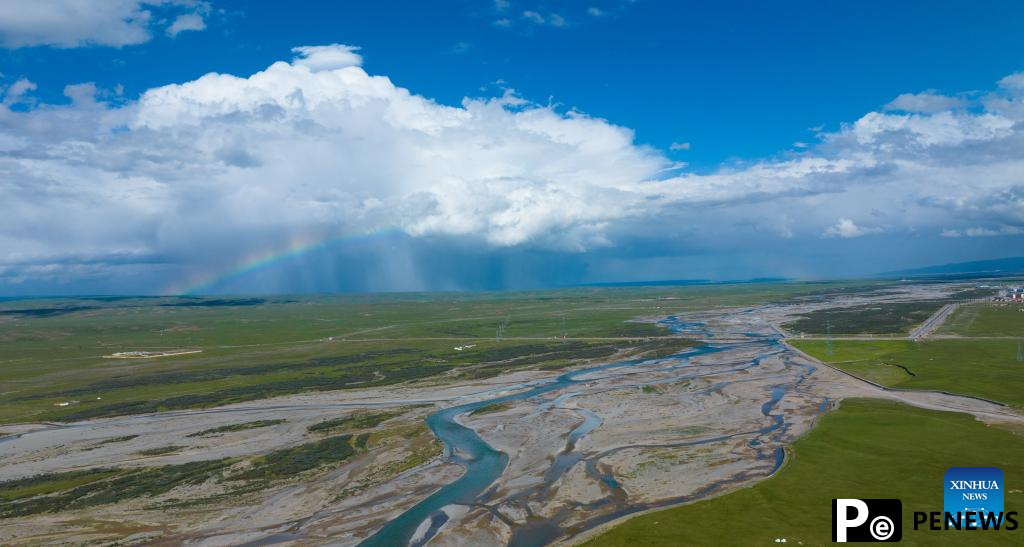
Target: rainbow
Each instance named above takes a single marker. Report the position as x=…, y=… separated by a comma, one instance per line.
x=261, y=260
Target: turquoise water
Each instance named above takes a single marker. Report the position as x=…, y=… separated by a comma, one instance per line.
x=483, y=463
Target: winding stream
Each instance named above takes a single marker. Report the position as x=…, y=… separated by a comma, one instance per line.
x=484, y=465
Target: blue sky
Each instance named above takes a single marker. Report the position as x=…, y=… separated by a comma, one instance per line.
x=737, y=80
x=602, y=141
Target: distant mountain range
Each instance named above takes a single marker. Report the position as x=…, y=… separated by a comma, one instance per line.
x=999, y=266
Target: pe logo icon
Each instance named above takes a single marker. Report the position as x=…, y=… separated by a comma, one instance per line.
x=973, y=494
x=866, y=520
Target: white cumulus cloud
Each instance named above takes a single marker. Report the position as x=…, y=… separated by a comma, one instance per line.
x=334, y=56
x=186, y=22
x=75, y=23
x=847, y=228
x=16, y=91
x=927, y=102
x=316, y=145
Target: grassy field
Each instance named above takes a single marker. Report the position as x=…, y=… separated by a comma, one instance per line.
x=891, y=318
x=52, y=351
x=253, y=348
x=866, y=449
x=984, y=368
x=986, y=320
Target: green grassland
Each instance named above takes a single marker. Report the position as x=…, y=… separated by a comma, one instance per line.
x=253, y=351
x=53, y=350
x=985, y=368
x=866, y=449
x=985, y=320
x=888, y=318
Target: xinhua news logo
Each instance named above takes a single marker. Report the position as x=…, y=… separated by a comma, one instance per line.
x=973, y=494
x=866, y=520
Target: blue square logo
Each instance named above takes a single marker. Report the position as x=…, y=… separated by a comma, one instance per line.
x=973, y=494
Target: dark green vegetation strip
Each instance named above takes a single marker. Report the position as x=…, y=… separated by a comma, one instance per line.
x=191, y=376
x=891, y=318
x=866, y=449
x=355, y=422
x=100, y=487
x=293, y=378
x=506, y=359
x=49, y=483
x=882, y=318
x=361, y=440
x=197, y=302
x=160, y=450
x=493, y=407
x=236, y=427
x=291, y=461
x=982, y=368
x=46, y=312
x=112, y=440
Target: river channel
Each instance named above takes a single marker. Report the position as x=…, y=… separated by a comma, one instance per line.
x=484, y=464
